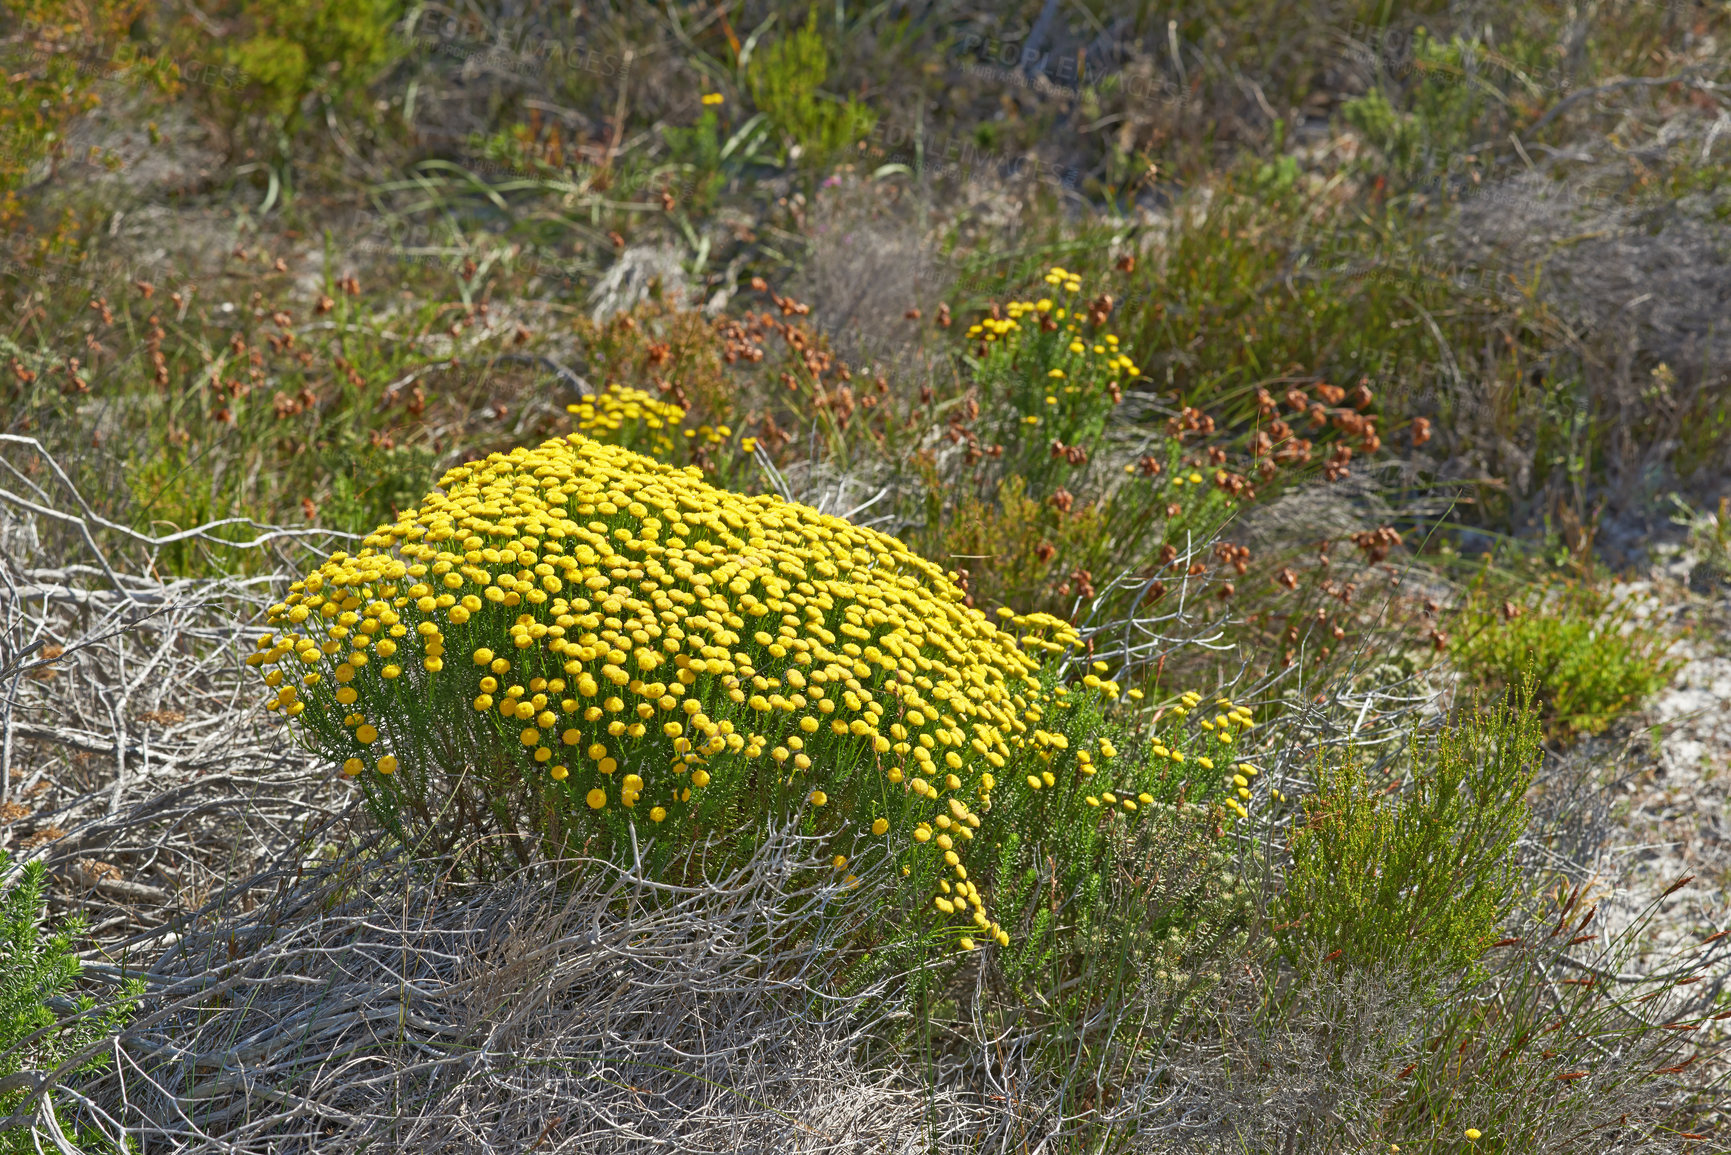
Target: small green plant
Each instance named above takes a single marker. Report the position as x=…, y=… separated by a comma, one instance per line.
x=1710, y=538
x=1591, y=659
x=1415, y=874
x=65, y=49
x=1112, y=860
x=35, y=969
x=786, y=82
x=294, y=50
x=1048, y=525
x=700, y=149
x=1448, y=97
x=1536, y=1049
x=1114, y=878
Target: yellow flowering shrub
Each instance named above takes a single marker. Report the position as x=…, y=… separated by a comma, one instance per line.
x=1056, y=370
x=634, y=419
x=1050, y=524
x=1109, y=867
x=621, y=415
x=576, y=646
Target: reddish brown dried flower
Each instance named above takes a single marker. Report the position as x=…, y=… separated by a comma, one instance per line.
x=1376, y=542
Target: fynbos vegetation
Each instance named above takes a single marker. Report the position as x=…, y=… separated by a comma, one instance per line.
x=813, y=578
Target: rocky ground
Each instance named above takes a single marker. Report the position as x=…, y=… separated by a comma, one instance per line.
x=1663, y=777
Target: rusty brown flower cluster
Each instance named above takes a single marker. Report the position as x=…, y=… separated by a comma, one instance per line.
x=1081, y=581
x=1331, y=406
x=1376, y=542
x=1190, y=422
x=1074, y=454
x=1236, y=556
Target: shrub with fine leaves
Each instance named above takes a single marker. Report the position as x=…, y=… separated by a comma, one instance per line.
x=34, y=969
x=574, y=649
x=1420, y=875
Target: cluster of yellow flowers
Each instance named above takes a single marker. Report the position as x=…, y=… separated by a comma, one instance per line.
x=620, y=409
x=1076, y=366
x=636, y=634
x=1105, y=350
x=1223, y=728
x=710, y=434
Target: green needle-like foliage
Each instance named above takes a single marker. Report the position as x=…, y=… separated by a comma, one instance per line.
x=1420, y=877
x=35, y=968
x=785, y=83
x=1590, y=660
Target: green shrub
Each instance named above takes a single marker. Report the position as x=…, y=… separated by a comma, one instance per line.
x=1052, y=382
x=1048, y=524
x=1591, y=661
x=785, y=81
x=1447, y=99
x=296, y=49
x=1493, y=1053
x=1118, y=874
x=34, y=970
x=700, y=149
x=1418, y=877
x=1116, y=882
